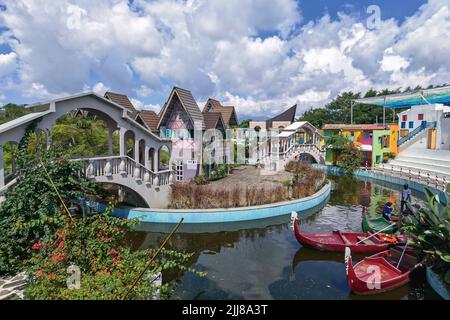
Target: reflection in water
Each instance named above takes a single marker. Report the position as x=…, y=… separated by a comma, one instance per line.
x=266, y=261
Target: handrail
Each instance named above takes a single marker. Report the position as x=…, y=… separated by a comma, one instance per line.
x=416, y=131
x=120, y=157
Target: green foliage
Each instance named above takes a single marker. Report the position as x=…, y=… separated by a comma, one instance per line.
x=429, y=230
x=31, y=210
x=82, y=136
x=97, y=245
x=245, y=123
x=11, y=112
x=339, y=110
x=216, y=172
x=348, y=156
x=201, y=180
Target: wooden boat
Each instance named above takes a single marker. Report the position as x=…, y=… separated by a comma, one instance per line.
x=376, y=224
x=337, y=241
x=379, y=273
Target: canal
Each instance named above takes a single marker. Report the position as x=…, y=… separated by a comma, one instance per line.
x=265, y=261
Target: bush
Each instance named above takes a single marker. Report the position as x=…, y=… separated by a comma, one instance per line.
x=32, y=210
x=201, y=180
x=108, y=267
x=430, y=233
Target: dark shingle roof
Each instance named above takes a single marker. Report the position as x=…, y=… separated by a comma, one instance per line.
x=122, y=100
x=228, y=112
x=150, y=118
x=288, y=115
x=189, y=103
x=211, y=120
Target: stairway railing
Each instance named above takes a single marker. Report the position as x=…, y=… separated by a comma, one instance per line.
x=424, y=125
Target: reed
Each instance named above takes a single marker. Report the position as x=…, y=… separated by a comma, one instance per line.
x=192, y=196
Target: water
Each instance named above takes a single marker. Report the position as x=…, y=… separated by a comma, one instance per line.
x=266, y=261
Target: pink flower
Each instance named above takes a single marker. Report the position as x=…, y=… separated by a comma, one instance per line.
x=36, y=246
x=113, y=251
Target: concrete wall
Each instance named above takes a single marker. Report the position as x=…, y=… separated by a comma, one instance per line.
x=226, y=215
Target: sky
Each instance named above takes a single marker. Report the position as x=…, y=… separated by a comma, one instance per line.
x=262, y=56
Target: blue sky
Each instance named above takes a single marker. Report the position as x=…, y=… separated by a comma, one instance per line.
x=259, y=55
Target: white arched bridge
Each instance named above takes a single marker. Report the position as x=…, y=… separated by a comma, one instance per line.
x=300, y=141
x=137, y=166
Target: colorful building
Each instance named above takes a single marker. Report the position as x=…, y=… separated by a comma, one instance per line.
x=374, y=141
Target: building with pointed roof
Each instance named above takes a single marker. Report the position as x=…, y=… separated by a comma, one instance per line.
x=280, y=121
x=228, y=113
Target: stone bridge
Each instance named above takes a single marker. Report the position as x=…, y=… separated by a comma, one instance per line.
x=139, y=169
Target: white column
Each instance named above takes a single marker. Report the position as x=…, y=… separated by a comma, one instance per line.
x=122, y=141
x=147, y=157
x=156, y=160
x=2, y=168
x=136, y=150
x=110, y=141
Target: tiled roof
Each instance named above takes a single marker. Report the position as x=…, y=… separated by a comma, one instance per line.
x=354, y=127
x=211, y=120
x=226, y=111
x=288, y=115
x=122, y=100
x=188, y=101
x=150, y=118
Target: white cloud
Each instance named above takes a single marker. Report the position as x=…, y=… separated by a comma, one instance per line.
x=250, y=53
x=139, y=105
x=100, y=88
x=8, y=63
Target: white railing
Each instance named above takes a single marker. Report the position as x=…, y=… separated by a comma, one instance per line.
x=125, y=166
x=420, y=176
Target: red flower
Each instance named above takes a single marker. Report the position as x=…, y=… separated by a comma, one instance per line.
x=60, y=245
x=113, y=251
x=36, y=246
x=51, y=276
x=54, y=257
x=39, y=272
x=62, y=256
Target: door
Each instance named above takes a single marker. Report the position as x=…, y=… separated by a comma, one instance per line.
x=403, y=133
x=431, y=139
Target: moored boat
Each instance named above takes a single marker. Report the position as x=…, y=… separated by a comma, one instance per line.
x=337, y=241
x=381, y=272
x=376, y=224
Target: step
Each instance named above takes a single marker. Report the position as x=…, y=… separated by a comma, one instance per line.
x=420, y=165
x=424, y=160
x=415, y=170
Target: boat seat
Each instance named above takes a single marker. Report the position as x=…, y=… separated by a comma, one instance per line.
x=408, y=261
x=344, y=238
x=367, y=241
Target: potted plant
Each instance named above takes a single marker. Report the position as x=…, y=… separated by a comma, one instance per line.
x=429, y=229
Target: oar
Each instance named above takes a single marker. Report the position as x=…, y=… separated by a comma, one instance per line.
x=389, y=226
x=401, y=257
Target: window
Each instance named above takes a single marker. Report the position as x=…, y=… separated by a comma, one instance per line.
x=179, y=169
x=411, y=124
x=403, y=125
x=367, y=134
x=169, y=133
x=420, y=117
x=405, y=117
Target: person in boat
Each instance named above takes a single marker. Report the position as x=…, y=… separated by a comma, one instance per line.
x=405, y=197
x=387, y=212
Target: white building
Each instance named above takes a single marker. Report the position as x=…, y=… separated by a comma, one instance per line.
x=435, y=118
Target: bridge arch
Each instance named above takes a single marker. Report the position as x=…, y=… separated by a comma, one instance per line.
x=116, y=116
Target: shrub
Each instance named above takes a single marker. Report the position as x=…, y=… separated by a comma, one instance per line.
x=430, y=233
x=108, y=267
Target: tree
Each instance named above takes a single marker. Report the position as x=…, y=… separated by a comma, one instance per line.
x=12, y=111
x=347, y=154
x=245, y=123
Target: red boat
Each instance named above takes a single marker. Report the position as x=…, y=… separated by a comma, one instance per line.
x=381, y=272
x=337, y=241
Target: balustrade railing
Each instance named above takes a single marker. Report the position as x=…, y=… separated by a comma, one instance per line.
x=123, y=165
